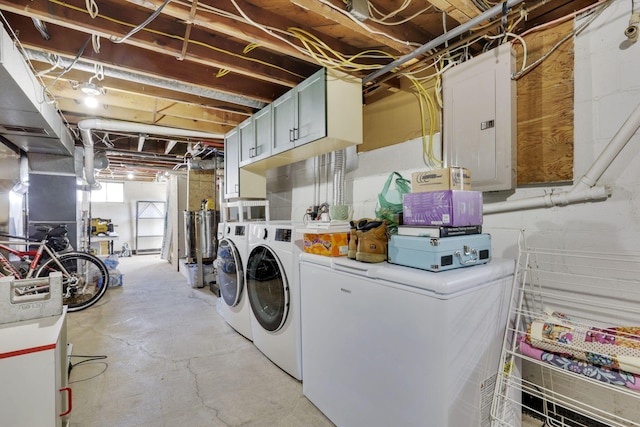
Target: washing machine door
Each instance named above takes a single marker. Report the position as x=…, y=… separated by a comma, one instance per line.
x=267, y=288
x=230, y=274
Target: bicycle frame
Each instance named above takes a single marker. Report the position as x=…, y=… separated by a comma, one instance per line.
x=84, y=277
x=35, y=256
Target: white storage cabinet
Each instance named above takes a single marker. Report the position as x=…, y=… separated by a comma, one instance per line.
x=256, y=136
x=300, y=115
x=240, y=183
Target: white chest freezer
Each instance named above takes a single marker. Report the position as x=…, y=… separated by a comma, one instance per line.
x=387, y=345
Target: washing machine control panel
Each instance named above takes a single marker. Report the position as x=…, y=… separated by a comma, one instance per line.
x=239, y=230
x=283, y=235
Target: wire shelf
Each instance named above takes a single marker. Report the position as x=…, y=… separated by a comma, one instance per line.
x=571, y=353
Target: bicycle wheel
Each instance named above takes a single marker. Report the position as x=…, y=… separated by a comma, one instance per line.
x=85, y=281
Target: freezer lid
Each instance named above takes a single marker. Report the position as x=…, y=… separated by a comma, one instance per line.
x=344, y=264
x=452, y=281
x=444, y=283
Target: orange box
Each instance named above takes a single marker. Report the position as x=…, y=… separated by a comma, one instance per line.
x=327, y=244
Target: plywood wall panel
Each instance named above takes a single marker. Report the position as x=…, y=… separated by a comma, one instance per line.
x=545, y=109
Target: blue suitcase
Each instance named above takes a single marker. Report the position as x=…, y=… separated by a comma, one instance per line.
x=440, y=254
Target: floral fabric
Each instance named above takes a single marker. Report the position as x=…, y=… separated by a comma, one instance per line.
x=614, y=347
x=581, y=367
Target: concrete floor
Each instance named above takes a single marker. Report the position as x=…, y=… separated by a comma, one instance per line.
x=171, y=360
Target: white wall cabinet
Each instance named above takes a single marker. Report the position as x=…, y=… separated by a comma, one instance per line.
x=300, y=114
x=320, y=115
x=283, y=123
x=232, y=163
x=240, y=183
x=256, y=136
x=33, y=367
x=311, y=109
x=246, y=140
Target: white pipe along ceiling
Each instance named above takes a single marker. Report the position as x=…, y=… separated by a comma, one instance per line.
x=88, y=125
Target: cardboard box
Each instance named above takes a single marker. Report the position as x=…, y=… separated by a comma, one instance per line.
x=449, y=208
x=453, y=178
x=327, y=244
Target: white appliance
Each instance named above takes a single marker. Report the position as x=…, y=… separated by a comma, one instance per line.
x=231, y=262
x=387, y=345
x=274, y=296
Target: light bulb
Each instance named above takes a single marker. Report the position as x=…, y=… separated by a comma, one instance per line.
x=91, y=102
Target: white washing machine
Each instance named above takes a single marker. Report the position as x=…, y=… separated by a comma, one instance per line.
x=273, y=291
x=231, y=262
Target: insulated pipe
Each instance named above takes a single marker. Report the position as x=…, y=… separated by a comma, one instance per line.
x=584, y=189
x=455, y=32
x=88, y=125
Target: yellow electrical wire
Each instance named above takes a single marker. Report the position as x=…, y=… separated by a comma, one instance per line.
x=222, y=72
x=324, y=54
x=248, y=48
x=175, y=37
x=425, y=102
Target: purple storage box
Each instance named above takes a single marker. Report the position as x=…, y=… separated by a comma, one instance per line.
x=449, y=208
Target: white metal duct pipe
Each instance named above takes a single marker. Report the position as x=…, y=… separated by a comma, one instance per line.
x=88, y=125
x=207, y=164
x=338, y=177
x=584, y=189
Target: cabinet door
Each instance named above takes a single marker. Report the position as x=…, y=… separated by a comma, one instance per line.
x=232, y=164
x=247, y=141
x=263, y=131
x=284, y=122
x=311, y=103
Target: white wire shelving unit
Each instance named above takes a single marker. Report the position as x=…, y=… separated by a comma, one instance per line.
x=559, y=382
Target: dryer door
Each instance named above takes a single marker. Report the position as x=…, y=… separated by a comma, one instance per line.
x=230, y=274
x=267, y=288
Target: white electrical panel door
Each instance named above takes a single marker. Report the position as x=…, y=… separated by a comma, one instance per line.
x=479, y=119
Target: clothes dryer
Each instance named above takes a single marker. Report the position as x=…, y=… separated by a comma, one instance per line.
x=274, y=294
x=231, y=261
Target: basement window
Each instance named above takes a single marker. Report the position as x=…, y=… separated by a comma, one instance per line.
x=111, y=192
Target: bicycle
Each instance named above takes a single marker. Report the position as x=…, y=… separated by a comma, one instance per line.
x=85, y=278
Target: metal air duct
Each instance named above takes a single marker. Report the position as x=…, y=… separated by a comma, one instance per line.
x=88, y=125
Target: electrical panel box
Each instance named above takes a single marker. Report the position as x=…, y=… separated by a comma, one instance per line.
x=479, y=119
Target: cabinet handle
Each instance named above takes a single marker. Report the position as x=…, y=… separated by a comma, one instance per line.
x=252, y=152
x=291, y=138
x=296, y=134
x=69, y=401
